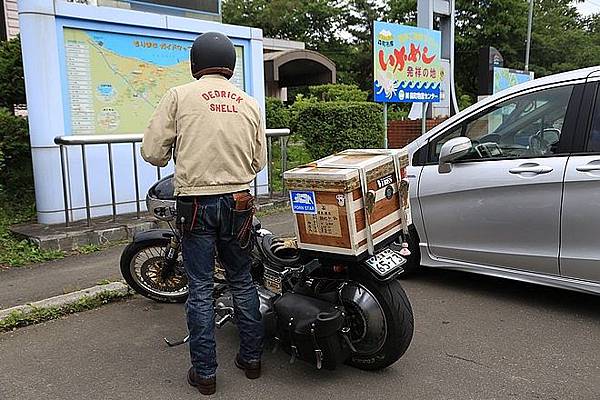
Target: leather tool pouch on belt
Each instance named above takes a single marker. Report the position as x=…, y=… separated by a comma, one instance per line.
x=243, y=212
x=187, y=208
x=309, y=329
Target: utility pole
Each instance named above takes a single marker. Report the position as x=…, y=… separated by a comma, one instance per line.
x=529, y=24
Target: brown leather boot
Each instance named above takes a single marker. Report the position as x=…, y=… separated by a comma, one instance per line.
x=252, y=368
x=206, y=386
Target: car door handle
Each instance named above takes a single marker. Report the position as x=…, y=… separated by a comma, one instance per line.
x=588, y=168
x=540, y=169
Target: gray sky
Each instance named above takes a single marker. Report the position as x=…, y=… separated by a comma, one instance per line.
x=589, y=7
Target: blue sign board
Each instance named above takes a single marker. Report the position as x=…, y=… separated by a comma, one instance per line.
x=303, y=202
x=505, y=78
x=104, y=71
x=407, y=64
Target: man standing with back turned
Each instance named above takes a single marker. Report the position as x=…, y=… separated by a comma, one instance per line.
x=219, y=141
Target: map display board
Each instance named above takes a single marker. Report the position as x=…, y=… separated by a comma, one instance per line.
x=505, y=78
x=116, y=80
x=407, y=64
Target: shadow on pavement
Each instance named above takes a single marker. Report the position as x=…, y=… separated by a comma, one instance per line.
x=533, y=295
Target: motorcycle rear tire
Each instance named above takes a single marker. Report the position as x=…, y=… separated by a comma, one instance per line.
x=128, y=255
x=400, y=325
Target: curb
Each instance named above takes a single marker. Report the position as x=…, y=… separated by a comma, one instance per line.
x=67, y=299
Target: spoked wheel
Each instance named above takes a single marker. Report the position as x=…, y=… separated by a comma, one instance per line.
x=144, y=268
x=380, y=322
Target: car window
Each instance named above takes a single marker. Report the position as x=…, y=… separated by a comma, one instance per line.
x=525, y=126
x=593, y=144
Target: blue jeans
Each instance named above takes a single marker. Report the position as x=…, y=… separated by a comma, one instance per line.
x=215, y=228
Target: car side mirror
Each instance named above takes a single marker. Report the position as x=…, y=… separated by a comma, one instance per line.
x=452, y=150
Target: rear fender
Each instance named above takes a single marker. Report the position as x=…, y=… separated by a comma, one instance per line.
x=365, y=271
x=361, y=270
x=153, y=234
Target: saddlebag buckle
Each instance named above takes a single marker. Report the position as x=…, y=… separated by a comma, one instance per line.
x=319, y=357
x=318, y=351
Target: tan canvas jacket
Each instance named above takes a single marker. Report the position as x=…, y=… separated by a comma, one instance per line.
x=218, y=134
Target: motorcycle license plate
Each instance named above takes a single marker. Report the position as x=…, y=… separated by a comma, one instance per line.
x=385, y=262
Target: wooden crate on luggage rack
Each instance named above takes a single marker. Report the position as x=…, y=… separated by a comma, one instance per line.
x=328, y=201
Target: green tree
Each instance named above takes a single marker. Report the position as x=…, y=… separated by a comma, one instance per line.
x=560, y=40
x=481, y=23
x=12, y=84
x=317, y=23
x=312, y=22
x=16, y=176
x=356, y=55
x=343, y=31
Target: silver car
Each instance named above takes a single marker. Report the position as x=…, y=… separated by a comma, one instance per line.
x=510, y=187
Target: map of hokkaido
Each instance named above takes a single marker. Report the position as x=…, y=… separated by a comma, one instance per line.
x=115, y=81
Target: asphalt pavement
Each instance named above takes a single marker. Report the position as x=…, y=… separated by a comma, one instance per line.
x=475, y=338
x=35, y=282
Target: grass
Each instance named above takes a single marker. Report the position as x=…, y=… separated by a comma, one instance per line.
x=16, y=252
x=296, y=155
x=272, y=210
x=18, y=319
x=88, y=248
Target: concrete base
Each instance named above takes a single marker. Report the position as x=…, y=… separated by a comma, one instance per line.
x=103, y=230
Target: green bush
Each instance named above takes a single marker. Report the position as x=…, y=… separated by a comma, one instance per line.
x=278, y=115
x=329, y=127
x=398, y=111
x=12, y=84
x=15, y=156
x=465, y=101
x=300, y=103
x=338, y=92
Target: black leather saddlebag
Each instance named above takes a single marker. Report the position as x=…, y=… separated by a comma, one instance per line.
x=310, y=329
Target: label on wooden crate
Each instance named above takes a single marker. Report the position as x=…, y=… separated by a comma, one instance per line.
x=303, y=202
x=385, y=181
x=325, y=223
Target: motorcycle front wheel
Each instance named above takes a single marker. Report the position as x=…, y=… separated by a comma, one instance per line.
x=144, y=268
x=380, y=322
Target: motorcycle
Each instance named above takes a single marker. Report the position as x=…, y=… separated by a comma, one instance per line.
x=324, y=311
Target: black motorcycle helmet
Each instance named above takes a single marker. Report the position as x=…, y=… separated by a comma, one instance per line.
x=212, y=53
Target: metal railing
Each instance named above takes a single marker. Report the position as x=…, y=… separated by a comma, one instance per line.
x=283, y=135
x=109, y=140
